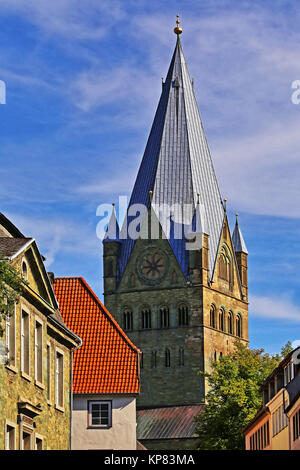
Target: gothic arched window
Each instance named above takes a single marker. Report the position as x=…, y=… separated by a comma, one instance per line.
x=221, y=319
x=181, y=356
x=230, y=322
x=153, y=359
x=238, y=325
x=127, y=319
x=225, y=264
x=183, y=315
x=167, y=358
x=146, y=318
x=212, y=316
x=164, y=317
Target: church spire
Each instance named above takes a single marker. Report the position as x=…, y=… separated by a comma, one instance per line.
x=112, y=233
x=177, y=164
x=238, y=242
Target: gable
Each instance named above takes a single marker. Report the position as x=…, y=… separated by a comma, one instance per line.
x=31, y=266
x=152, y=264
x=226, y=276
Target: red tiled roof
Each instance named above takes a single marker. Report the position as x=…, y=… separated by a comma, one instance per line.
x=107, y=361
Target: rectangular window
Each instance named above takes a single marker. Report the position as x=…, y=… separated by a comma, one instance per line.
x=38, y=443
x=38, y=351
x=59, y=380
x=26, y=441
x=48, y=372
x=10, y=436
x=296, y=426
x=100, y=413
x=11, y=337
x=25, y=351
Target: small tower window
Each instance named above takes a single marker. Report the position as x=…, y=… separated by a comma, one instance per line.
x=181, y=357
x=153, y=359
x=146, y=318
x=167, y=358
x=212, y=316
x=164, y=317
x=127, y=320
x=238, y=325
x=142, y=360
x=183, y=315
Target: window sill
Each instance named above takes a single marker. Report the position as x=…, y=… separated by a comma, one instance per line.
x=59, y=408
x=26, y=376
x=39, y=384
x=100, y=427
x=12, y=368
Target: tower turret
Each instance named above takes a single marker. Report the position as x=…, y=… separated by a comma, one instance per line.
x=241, y=254
x=111, y=248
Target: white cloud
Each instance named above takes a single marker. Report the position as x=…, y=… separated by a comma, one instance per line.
x=276, y=308
x=90, y=19
x=58, y=236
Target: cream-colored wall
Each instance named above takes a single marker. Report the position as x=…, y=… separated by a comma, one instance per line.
x=281, y=440
x=120, y=436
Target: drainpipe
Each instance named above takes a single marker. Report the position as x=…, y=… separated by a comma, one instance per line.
x=71, y=391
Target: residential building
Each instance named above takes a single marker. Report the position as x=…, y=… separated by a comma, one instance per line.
x=106, y=371
x=182, y=303
x=36, y=352
x=276, y=425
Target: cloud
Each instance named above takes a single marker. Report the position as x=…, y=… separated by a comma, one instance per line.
x=276, y=308
x=58, y=236
x=68, y=18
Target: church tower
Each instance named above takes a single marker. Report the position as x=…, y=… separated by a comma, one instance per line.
x=180, y=293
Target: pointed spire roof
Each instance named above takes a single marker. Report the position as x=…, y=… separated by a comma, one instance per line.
x=177, y=165
x=238, y=242
x=113, y=232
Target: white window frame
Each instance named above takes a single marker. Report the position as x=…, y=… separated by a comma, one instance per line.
x=41, y=438
x=14, y=426
x=100, y=402
x=40, y=322
x=49, y=388
x=57, y=405
x=25, y=310
x=7, y=339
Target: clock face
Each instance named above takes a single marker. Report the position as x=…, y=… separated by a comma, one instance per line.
x=153, y=266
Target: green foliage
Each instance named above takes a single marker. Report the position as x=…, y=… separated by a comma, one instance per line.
x=10, y=288
x=234, y=397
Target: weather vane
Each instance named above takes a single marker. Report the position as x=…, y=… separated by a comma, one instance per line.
x=177, y=29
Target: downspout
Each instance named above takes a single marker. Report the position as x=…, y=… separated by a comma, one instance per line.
x=71, y=391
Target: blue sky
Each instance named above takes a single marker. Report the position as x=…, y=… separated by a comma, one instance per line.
x=83, y=81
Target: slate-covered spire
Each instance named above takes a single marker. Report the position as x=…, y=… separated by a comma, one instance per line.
x=177, y=165
x=113, y=232
x=238, y=242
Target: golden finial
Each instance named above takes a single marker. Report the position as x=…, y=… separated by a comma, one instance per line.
x=177, y=29
x=150, y=192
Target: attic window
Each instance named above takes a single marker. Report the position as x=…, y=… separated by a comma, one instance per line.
x=24, y=270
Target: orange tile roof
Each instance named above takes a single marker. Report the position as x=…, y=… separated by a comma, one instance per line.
x=107, y=361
